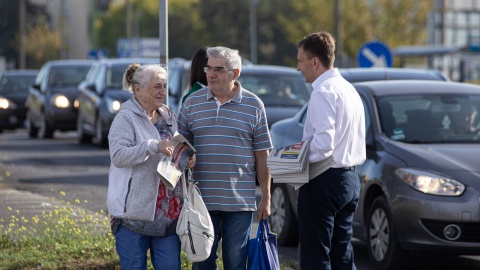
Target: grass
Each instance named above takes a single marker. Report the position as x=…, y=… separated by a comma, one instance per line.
x=64, y=237
x=61, y=237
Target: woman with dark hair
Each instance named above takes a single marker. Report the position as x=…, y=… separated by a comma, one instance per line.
x=198, y=78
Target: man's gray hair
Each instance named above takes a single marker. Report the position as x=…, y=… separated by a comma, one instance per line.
x=233, y=57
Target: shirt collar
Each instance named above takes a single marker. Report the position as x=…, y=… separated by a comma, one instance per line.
x=326, y=75
x=237, y=98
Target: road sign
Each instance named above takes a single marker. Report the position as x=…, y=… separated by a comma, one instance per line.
x=374, y=54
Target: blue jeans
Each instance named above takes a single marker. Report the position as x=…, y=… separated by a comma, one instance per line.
x=132, y=250
x=233, y=228
x=325, y=213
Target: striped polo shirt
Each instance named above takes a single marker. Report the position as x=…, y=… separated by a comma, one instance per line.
x=225, y=138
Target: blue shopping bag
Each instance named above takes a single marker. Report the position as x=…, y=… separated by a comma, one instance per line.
x=262, y=250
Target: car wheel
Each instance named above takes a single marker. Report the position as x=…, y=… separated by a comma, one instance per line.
x=31, y=128
x=45, y=131
x=282, y=219
x=101, y=136
x=383, y=248
x=82, y=138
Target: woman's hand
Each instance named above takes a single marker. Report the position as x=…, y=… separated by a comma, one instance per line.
x=191, y=161
x=166, y=147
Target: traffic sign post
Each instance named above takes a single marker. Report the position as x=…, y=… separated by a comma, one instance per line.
x=374, y=54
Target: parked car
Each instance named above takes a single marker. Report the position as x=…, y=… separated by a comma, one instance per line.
x=13, y=94
x=100, y=97
x=283, y=90
x=51, y=102
x=420, y=185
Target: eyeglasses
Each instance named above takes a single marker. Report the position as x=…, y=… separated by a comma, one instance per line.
x=215, y=70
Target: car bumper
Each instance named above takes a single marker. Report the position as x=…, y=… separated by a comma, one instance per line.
x=422, y=221
x=12, y=119
x=62, y=119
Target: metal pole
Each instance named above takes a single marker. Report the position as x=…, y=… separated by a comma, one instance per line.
x=64, y=27
x=22, y=35
x=163, y=27
x=129, y=19
x=337, y=33
x=253, y=31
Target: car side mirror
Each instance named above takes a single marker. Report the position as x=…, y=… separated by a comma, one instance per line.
x=36, y=87
x=91, y=87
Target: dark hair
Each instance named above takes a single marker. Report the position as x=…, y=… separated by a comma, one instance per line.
x=199, y=60
x=321, y=45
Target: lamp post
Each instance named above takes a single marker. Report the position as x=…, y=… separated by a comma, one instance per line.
x=22, y=35
x=253, y=30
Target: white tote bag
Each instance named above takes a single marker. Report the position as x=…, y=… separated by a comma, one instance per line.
x=194, y=226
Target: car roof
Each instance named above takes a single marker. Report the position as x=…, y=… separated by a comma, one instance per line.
x=128, y=60
x=16, y=72
x=67, y=62
x=381, y=74
x=401, y=87
x=269, y=69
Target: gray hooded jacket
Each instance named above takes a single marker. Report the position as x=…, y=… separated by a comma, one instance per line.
x=133, y=178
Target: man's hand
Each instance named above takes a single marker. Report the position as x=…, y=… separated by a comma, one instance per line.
x=263, y=210
x=191, y=161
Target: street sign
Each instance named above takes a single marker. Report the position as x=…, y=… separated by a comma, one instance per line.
x=374, y=54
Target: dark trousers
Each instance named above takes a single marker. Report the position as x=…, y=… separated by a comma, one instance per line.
x=325, y=212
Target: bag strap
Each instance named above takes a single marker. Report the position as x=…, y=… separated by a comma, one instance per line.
x=265, y=229
x=185, y=202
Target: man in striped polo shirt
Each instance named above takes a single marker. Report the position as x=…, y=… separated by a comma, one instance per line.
x=228, y=127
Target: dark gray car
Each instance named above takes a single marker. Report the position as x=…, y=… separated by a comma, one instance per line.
x=420, y=182
x=100, y=97
x=52, y=99
x=13, y=94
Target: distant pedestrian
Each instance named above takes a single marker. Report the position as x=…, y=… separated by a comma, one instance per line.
x=198, y=78
x=336, y=124
x=144, y=211
x=229, y=127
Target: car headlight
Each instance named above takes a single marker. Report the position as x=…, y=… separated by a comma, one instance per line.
x=113, y=105
x=7, y=104
x=431, y=183
x=60, y=101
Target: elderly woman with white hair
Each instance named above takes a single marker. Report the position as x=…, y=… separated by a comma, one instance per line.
x=144, y=211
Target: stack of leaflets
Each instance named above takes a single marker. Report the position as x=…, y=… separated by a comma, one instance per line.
x=172, y=167
x=290, y=164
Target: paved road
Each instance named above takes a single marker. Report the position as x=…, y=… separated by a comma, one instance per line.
x=42, y=169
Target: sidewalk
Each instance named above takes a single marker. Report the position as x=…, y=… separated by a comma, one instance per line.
x=26, y=205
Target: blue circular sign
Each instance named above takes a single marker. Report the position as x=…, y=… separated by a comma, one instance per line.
x=374, y=54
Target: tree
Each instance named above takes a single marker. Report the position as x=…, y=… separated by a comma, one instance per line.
x=281, y=24
x=9, y=27
x=112, y=26
x=42, y=44
x=394, y=22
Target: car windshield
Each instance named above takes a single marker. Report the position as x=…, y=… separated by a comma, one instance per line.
x=17, y=83
x=67, y=75
x=115, y=76
x=431, y=118
x=275, y=90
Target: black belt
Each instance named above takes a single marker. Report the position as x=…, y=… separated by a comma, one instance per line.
x=351, y=168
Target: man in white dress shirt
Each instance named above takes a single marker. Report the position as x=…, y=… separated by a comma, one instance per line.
x=336, y=124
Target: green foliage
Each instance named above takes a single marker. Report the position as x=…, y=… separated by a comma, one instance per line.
x=194, y=23
x=42, y=44
x=10, y=29
x=62, y=237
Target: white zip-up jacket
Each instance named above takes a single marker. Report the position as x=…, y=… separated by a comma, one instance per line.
x=133, y=178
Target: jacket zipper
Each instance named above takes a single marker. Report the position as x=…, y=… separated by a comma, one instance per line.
x=126, y=196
